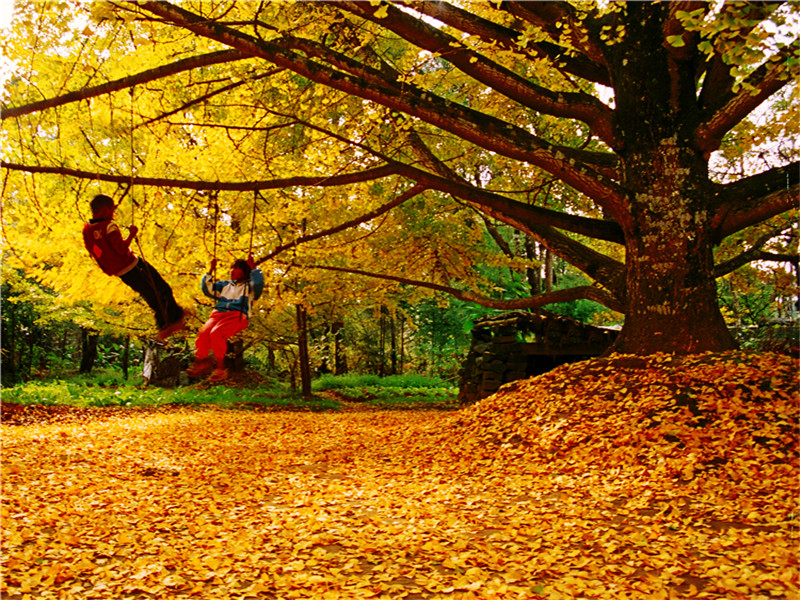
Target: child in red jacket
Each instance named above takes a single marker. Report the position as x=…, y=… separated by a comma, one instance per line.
x=105, y=243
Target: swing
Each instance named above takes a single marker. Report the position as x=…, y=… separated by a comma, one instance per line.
x=169, y=327
x=253, y=223
x=252, y=229
x=234, y=360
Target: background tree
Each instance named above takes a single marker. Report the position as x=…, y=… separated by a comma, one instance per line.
x=373, y=132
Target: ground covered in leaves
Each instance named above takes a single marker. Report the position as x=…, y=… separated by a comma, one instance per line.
x=614, y=478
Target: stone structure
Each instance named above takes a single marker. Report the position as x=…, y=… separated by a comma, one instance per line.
x=517, y=345
x=165, y=365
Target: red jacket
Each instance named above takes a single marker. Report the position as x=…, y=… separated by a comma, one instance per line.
x=104, y=242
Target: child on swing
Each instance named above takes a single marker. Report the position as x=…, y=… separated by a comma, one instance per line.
x=231, y=313
x=112, y=253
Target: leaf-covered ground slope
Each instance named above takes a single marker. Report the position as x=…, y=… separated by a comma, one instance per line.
x=614, y=478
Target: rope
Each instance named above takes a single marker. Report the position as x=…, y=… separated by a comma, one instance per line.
x=253, y=223
x=161, y=306
x=130, y=166
x=216, y=220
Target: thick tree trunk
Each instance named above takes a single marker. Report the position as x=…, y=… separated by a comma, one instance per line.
x=671, y=297
x=234, y=356
x=671, y=301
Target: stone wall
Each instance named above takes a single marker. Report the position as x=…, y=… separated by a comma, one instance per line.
x=518, y=345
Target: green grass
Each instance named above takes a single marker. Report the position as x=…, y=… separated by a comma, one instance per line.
x=337, y=382
x=79, y=393
x=394, y=392
x=84, y=395
x=106, y=389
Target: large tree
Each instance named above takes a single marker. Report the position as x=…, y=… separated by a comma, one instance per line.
x=349, y=112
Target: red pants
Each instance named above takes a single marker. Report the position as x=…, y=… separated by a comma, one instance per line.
x=215, y=333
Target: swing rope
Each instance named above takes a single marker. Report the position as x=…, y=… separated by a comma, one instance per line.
x=253, y=223
x=130, y=165
x=161, y=307
x=214, y=254
x=132, y=175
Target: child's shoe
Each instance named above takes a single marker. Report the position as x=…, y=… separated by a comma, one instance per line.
x=200, y=367
x=219, y=374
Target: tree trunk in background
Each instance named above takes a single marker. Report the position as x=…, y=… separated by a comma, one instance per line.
x=402, y=345
x=234, y=356
x=393, y=345
x=382, y=344
x=10, y=347
x=302, y=345
x=88, y=350
x=164, y=365
x=126, y=357
x=533, y=274
x=339, y=361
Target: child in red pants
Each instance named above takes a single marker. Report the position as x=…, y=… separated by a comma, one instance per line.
x=234, y=299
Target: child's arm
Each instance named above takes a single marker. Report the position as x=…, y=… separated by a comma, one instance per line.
x=114, y=238
x=208, y=284
x=257, y=282
x=256, y=278
x=132, y=231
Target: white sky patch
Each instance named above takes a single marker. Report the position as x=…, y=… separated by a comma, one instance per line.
x=6, y=13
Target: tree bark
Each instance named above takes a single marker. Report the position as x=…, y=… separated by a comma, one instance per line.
x=234, y=356
x=88, y=350
x=302, y=345
x=339, y=362
x=9, y=362
x=126, y=353
x=671, y=298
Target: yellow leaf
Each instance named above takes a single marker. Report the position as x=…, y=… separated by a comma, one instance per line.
x=84, y=565
x=123, y=538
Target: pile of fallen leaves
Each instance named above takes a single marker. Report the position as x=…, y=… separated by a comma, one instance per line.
x=32, y=414
x=614, y=478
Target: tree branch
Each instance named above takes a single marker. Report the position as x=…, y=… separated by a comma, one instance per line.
x=243, y=186
x=186, y=64
x=485, y=131
x=206, y=97
x=756, y=252
x=512, y=211
x=414, y=191
x=755, y=199
x=574, y=105
x=760, y=85
x=493, y=203
x=504, y=246
x=718, y=82
x=510, y=39
x=536, y=222
x=548, y=16
x=604, y=163
x=588, y=292
x=674, y=26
